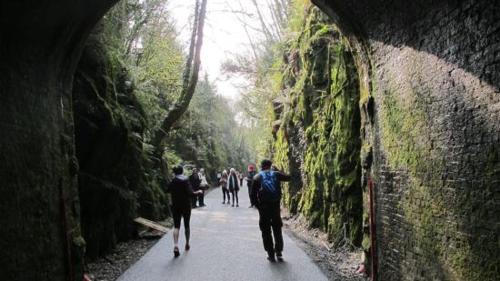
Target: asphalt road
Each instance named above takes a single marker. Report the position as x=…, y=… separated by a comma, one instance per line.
x=226, y=244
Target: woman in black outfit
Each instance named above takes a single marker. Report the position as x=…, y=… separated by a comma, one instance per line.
x=181, y=192
x=233, y=184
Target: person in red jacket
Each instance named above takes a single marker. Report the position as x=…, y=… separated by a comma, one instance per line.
x=250, y=175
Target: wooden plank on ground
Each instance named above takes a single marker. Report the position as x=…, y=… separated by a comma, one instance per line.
x=151, y=224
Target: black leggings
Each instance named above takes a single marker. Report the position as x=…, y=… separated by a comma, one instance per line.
x=225, y=192
x=179, y=213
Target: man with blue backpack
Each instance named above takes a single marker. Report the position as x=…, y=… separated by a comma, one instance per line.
x=266, y=192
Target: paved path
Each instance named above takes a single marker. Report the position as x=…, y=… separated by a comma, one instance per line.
x=226, y=246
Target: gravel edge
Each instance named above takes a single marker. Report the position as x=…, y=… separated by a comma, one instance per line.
x=111, y=266
x=337, y=264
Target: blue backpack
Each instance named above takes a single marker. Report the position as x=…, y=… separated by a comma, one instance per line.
x=270, y=189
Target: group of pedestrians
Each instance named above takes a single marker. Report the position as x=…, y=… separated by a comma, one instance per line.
x=232, y=182
x=230, y=185
x=264, y=190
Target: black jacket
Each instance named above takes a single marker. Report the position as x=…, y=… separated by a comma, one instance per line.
x=233, y=182
x=181, y=192
x=195, y=181
x=250, y=179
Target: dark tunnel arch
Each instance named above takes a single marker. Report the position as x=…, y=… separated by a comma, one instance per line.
x=40, y=46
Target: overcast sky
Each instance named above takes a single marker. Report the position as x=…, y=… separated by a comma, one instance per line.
x=224, y=35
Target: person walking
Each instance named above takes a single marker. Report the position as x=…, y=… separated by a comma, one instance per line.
x=233, y=184
x=266, y=191
x=225, y=191
x=182, y=194
x=203, y=186
x=249, y=178
x=195, y=181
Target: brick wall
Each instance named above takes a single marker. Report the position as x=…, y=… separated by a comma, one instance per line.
x=434, y=76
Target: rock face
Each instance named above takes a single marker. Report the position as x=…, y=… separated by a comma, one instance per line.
x=431, y=72
x=318, y=140
x=109, y=124
x=40, y=43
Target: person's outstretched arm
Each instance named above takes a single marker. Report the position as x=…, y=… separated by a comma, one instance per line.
x=283, y=177
x=190, y=190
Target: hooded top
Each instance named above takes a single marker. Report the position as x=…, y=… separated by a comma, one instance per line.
x=181, y=192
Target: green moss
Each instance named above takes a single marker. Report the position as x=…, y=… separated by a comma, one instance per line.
x=281, y=159
x=403, y=130
x=440, y=222
x=325, y=104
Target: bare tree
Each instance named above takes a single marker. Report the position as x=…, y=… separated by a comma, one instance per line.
x=271, y=17
x=190, y=79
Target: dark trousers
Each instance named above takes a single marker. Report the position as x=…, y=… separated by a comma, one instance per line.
x=234, y=192
x=270, y=220
x=225, y=192
x=252, y=203
x=201, y=199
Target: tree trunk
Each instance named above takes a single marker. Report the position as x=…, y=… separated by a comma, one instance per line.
x=189, y=83
x=40, y=43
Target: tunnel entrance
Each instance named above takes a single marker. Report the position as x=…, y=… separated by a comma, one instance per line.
x=429, y=141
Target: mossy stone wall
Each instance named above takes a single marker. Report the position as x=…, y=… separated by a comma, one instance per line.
x=319, y=137
x=115, y=179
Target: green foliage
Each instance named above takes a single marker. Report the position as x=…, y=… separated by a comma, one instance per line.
x=208, y=135
x=157, y=66
x=298, y=15
x=140, y=37
x=158, y=72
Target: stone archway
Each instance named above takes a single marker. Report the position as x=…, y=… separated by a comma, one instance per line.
x=40, y=46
